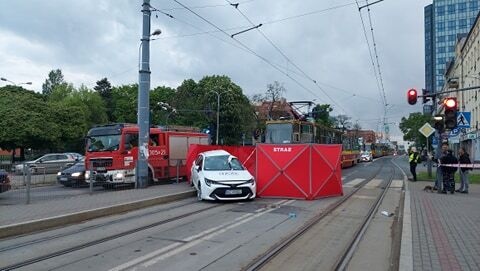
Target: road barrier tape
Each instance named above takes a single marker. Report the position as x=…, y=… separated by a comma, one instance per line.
x=473, y=166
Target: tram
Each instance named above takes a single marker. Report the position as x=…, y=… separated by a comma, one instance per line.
x=298, y=131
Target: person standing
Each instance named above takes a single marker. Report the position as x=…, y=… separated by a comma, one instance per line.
x=439, y=173
x=463, y=159
x=414, y=159
x=448, y=172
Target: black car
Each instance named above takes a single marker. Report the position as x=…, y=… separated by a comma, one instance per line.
x=4, y=181
x=74, y=175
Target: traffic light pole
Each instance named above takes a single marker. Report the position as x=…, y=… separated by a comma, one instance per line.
x=449, y=91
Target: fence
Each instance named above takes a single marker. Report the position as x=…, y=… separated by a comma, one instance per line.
x=29, y=185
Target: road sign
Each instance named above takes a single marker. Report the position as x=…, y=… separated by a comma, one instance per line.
x=463, y=119
x=454, y=132
x=426, y=130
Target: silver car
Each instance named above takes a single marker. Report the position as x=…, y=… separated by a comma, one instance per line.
x=49, y=163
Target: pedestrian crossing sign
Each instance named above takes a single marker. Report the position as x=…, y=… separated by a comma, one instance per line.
x=463, y=119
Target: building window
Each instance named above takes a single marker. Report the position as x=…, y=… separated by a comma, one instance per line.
x=440, y=50
x=473, y=5
x=440, y=10
x=451, y=37
x=441, y=26
x=452, y=25
x=462, y=7
x=451, y=8
x=441, y=39
x=462, y=23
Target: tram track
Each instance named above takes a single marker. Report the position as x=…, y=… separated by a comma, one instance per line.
x=264, y=259
x=101, y=240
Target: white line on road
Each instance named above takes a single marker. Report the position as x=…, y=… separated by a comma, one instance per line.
x=175, y=248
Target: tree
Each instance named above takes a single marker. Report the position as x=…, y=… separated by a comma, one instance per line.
x=104, y=89
x=342, y=121
x=409, y=127
x=321, y=114
x=55, y=79
x=274, y=93
x=124, y=100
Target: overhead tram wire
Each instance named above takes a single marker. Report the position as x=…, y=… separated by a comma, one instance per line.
x=376, y=55
x=283, y=54
x=206, y=6
x=370, y=53
x=250, y=50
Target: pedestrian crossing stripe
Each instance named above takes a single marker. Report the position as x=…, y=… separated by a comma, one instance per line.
x=463, y=119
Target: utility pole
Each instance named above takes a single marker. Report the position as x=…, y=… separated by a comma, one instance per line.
x=143, y=100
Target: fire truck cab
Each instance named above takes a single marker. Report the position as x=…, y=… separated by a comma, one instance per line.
x=112, y=150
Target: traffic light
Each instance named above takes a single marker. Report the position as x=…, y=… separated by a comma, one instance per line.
x=450, y=106
x=412, y=96
x=425, y=99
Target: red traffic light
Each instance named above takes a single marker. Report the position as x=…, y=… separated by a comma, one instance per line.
x=450, y=102
x=412, y=96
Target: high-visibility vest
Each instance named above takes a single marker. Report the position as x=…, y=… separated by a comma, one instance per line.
x=412, y=156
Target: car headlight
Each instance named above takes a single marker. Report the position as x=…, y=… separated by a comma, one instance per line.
x=209, y=182
x=59, y=173
x=251, y=181
x=119, y=175
x=76, y=174
x=87, y=175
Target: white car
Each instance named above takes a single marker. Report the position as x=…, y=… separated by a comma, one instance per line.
x=366, y=156
x=218, y=175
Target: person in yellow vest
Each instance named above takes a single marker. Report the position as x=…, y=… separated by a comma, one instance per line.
x=414, y=159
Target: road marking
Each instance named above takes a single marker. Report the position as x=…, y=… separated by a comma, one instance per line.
x=374, y=183
x=363, y=197
x=193, y=240
x=396, y=184
x=354, y=182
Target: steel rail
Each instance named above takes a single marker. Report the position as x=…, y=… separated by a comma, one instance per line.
x=103, y=240
x=266, y=257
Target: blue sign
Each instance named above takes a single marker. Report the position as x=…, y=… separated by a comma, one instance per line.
x=454, y=132
x=434, y=141
x=463, y=119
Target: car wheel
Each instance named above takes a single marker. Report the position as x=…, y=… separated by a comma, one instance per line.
x=199, y=192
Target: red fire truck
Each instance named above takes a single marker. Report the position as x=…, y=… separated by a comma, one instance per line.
x=113, y=151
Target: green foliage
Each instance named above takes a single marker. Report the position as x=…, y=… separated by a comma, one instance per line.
x=124, y=100
x=409, y=127
x=55, y=79
x=321, y=113
x=104, y=89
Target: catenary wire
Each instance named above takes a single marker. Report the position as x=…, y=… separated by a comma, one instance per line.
x=283, y=54
x=250, y=50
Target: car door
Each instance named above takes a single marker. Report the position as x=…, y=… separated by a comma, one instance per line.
x=44, y=164
x=196, y=169
x=62, y=161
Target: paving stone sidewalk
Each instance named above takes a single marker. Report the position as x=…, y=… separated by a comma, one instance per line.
x=445, y=233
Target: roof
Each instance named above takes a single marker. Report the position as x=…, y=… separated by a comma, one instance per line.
x=215, y=153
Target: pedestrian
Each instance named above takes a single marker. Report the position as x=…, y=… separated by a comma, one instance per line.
x=413, y=159
x=463, y=159
x=439, y=173
x=448, y=172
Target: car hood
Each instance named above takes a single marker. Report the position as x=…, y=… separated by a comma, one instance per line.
x=228, y=175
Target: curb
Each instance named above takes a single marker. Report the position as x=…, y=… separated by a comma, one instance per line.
x=62, y=220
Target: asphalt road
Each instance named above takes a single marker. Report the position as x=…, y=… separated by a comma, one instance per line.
x=183, y=235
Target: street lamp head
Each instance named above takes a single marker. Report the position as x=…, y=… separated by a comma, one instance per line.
x=156, y=32
x=28, y=83
x=3, y=79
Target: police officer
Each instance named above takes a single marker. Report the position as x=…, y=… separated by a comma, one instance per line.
x=414, y=159
x=448, y=172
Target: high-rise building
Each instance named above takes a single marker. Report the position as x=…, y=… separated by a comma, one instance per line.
x=444, y=21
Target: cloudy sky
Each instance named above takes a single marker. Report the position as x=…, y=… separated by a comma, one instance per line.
x=300, y=42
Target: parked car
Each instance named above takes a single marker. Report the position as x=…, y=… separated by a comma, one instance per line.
x=366, y=156
x=74, y=175
x=4, y=181
x=77, y=156
x=218, y=175
x=49, y=163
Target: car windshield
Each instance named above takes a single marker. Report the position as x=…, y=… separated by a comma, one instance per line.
x=222, y=162
x=103, y=143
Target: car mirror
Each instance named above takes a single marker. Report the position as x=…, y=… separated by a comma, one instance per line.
x=40, y=161
x=197, y=168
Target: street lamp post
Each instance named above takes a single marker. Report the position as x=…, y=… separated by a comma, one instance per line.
x=218, y=114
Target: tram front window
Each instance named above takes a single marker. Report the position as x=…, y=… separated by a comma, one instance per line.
x=279, y=133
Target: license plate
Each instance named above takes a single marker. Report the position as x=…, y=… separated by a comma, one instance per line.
x=233, y=192
x=63, y=179
x=101, y=169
